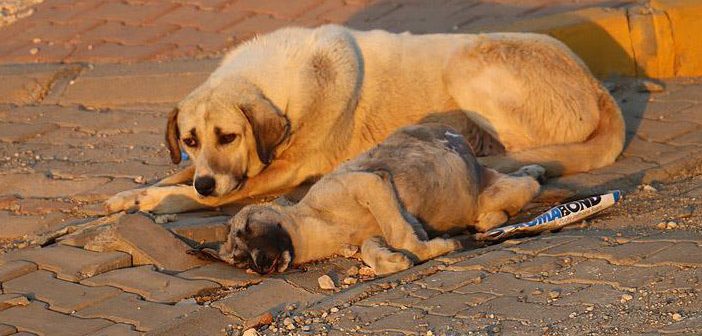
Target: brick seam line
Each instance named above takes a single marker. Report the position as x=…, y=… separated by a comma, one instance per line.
x=48, y=307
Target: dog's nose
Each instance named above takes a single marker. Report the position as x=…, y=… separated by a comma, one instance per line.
x=205, y=185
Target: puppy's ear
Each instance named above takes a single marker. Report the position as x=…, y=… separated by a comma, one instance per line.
x=270, y=128
x=172, y=135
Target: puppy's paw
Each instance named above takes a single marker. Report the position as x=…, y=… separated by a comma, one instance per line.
x=535, y=171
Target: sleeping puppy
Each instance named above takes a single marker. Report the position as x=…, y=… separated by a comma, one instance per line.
x=393, y=201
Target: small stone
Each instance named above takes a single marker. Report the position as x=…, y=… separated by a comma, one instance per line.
x=306, y=328
x=649, y=86
x=677, y=317
x=352, y=271
x=34, y=51
x=648, y=188
x=661, y=226
x=625, y=298
x=36, y=40
x=140, y=180
x=334, y=310
x=287, y=321
x=326, y=282
x=366, y=271
x=671, y=225
x=350, y=281
x=290, y=327
x=554, y=294
x=589, y=308
x=573, y=315
x=163, y=219
x=250, y=332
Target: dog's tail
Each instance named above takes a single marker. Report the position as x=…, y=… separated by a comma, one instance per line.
x=600, y=149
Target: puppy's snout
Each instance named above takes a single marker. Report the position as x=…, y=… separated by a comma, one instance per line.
x=205, y=185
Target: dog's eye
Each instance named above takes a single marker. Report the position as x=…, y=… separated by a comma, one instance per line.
x=190, y=142
x=226, y=138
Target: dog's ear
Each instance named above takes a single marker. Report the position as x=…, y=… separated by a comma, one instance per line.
x=172, y=135
x=270, y=128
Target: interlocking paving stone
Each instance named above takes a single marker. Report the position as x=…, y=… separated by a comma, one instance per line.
x=271, y=294
x=488, y=261
x=508, y=284
x=62, y=296
x=601, y=272
x=26, y=84
x=539, y=265
x=14, y=269
x=201, y=230
x=70, y=263
x=128, y=308
x=510, y=308
x=448, y=281
x=37, y=318
x=204, y=321
x=684, y=254
x=536, y=246
x=148, y=243
x=117, y=329
x=164, y=83
x=598, y=295
x=151, y=284
x=10, y=300
x=7, y=330
x=224, y=274
x=448, y=304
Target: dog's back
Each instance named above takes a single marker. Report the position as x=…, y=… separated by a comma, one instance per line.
x=433, y=171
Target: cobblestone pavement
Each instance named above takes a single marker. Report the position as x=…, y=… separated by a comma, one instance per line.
x=71, y=135
x=137, y=30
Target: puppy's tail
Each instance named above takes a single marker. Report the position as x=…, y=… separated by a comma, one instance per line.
x=600, y=149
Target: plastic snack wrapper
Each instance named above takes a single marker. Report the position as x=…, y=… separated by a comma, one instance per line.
x=555, y=218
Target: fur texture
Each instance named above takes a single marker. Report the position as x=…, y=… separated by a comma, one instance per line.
x=298, y=102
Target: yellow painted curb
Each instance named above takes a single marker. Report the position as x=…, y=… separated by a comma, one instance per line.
x=659, y=40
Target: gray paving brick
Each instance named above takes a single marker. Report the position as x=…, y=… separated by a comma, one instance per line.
x=37, y=318
x=128, y=308
x=150, y=284
x=270, y=295
x=62, y=296
x=70, y=263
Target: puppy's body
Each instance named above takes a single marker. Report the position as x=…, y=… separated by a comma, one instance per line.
x=421, y=182
x=301, y=101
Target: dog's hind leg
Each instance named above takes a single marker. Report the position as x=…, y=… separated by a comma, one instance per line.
x=376, y=254
x=504, y=195
x=400, y=229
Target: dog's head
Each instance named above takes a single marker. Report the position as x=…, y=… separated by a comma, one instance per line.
x=258, y=238
x=230, y=130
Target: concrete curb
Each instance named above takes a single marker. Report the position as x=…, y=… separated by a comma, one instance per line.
x=659, y=39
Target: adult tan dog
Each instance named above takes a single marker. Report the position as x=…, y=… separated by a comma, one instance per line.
x=423, y=181
x=294, y=104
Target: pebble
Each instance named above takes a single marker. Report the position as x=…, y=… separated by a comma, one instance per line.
x=677, y=317
x=625, y=298
x=250, y=332
x=326, y=282
x=573, y=315
x=366, y=271
x=554, y=294
x=671, y=225
x=348, y=251
x=537, y=292
x=306, y=328
x=334, y=310
x=350, y=281
x=140, y=180
x=287, y=321
x=590, y=308
x=649, y=188
x=352, y=271
x=649, y=86
x=34, y=51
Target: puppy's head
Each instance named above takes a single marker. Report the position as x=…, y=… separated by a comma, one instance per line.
x=230, y=130
x=258, y=238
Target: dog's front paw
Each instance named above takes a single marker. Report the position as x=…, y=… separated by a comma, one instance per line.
x=130, y=200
